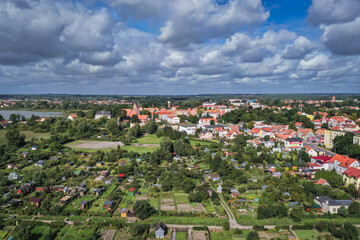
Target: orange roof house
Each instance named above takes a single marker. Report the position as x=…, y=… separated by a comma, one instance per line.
x=323, y=182
x=340, y=163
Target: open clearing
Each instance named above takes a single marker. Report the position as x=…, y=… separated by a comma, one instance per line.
x=28, y=135
x=94, y=145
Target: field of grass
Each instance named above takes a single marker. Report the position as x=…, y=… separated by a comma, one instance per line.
x=181, y=236
x=71, y=234
x=62, y=232
x=209, y=207
x=39, y=231
x=28, y=134
x=228, y=235
x=306, y=234
x=3, y=234
x=195, y=142
x=149, y=139
x=181, y=198
x=139, y=149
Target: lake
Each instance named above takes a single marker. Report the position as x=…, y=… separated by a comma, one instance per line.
x=6, y=113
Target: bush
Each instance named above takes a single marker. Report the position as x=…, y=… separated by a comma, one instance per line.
x=259, y=227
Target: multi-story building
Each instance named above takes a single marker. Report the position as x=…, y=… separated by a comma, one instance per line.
x=329, y=136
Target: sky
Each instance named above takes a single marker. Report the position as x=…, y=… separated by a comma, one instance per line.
x=175, y=47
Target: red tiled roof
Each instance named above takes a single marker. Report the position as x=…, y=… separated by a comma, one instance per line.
x=122, y=175
x=131, y=189
x=352, y=172
x=344, y=160
x=322, y=181
x=323, y=158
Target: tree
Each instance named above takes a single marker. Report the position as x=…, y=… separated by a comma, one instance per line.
x=134, y=119
x=296, y=214
x=1, y=118
x=351, y=232
x=166, y=145
x=343, y=211
x=253, y=236
x=137, y=229
x=112, y=127
x=292, y=126
x=212, y=122
x=14, y=138
x=354, y=208
x=22, y=232
x=143, y=209
x=151, y=127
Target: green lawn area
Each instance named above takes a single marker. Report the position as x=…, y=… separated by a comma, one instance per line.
x=209, y=207
x=306, y=234
x=181, y=236
x=195, y=142
x=139, y=149
x=39, y=231
x=181, y=198
x=84, y=234
x=28, y=134
x=62, y=232
x=72, y=232
x=228, y=235
x=3, y=234
x=149, y=139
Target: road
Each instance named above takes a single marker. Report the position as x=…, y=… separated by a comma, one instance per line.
x=319, y=149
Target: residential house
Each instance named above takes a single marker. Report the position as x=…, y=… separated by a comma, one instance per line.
x=320, y=162
x=256, y=132
x=214, y=177
x=329, y=205
x=206, y=135
x=311, y=151
x=173, y=119
x=294, y=143
x=26, y=188
x=103, y=114
x=143, y=119
x=352, y=176
x=108, y=205
x=305, y=133
x=160, y=230
x=72, y=117
x=40, y=163
x=322, y=182
x=340, y=163
x=188, y=129
x=35, y=201
x=13, y=176
x=207, y=121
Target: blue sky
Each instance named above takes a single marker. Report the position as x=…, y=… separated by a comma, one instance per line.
x=179, y=47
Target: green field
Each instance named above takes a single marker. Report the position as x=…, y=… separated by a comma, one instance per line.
x=139, y=149
x=75, y=205
x=28, y=134
x=181, y=236
x=306, y=234
x=209, y=207
x=181, y=198
x=149, y=139
x=195, y=142
x=39, y=231
x=228, y=235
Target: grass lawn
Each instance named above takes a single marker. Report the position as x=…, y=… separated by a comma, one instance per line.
x=149, y=139
x=139, y=149
x=181, y=236
x=228, y=235
x=39, y=231
x=195, y=142
x=306, y=234
x=181, y=198
x=28, y=134
x=84, y=234
x=209, y=207
x=63, y=231
x=3, y=234
x=71, y=234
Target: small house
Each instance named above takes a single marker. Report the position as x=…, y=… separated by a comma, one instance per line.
x=84, y=205
x=124, y=212
x=160, y=230
x=99, y=164
x=131, y=191
x=97, y=191
x=65, y=200
x=35, y=201
x=108, y=204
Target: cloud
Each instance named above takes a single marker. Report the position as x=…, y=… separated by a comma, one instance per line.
x=256, y=49
x=299, y=49
x=196, y=21
x=317, y=62
x=36, y=30
x=343, y=38
x=333, y=11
